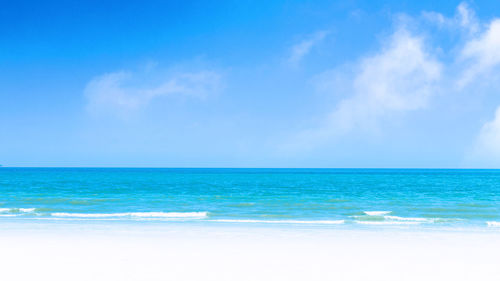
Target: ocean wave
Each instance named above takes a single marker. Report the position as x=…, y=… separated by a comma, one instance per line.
x=493, y=223
x=134, y=215
x=381, y=218
x=376, y=213
x=396, y=218
x=17, y=210
x=282, y=221
x=389, y=222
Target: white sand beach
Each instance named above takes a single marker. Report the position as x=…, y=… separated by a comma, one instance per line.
x=245, y=253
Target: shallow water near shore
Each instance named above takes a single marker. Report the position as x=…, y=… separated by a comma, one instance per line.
x=328, y=198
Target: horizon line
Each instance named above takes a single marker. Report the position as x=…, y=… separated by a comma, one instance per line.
x=185, y=167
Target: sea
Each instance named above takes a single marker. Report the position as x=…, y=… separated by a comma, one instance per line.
x=328, y=198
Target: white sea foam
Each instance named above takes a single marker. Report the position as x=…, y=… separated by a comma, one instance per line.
x=283, y=221
x=407, y=219
x=22, y=210
x=135, y=214
x=493, y=223
x=376, y=213
x=75, y=219
x=390, y=219
x=389, y=222
x=171, y=214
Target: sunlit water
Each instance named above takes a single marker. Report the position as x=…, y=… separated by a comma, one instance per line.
x=327, y=197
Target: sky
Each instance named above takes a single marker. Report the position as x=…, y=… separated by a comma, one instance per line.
x=340, y=84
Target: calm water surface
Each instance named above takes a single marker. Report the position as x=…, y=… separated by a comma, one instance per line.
x=373, y=197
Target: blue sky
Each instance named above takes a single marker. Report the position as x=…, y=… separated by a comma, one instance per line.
x=250, y=84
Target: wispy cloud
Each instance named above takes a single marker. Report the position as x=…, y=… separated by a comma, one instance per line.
x=476, y=65
x=122, y=92
x=481, y=58
x=399, y=78
x=405, y=75
x=481, y=54
x=301, y=49
x=486, y=150
x=464, y=19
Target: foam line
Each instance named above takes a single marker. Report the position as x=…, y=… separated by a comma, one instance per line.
x=283, y=221
x=376, y=213
x=135, y=214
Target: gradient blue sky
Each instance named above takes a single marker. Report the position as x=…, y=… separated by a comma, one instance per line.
x=250, y=83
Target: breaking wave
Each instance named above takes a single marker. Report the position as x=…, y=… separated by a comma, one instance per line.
x=282, y=221
x=194, y=215
x=493, y=223
x=376, y=213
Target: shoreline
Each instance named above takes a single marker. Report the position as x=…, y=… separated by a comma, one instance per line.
x=49, y=224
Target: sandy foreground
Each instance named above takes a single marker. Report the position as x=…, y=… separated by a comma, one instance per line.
x=245, y=253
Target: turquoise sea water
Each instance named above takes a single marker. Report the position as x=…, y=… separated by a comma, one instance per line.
x=372, y=197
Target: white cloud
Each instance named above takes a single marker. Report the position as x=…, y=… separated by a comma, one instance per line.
x=301, y=49
x=399, y=78
x=404, y=76
x=481, y=54
x=122, y=92
x=475, y=67
x=481, y=60
x=464, y=19
x=487, y=146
